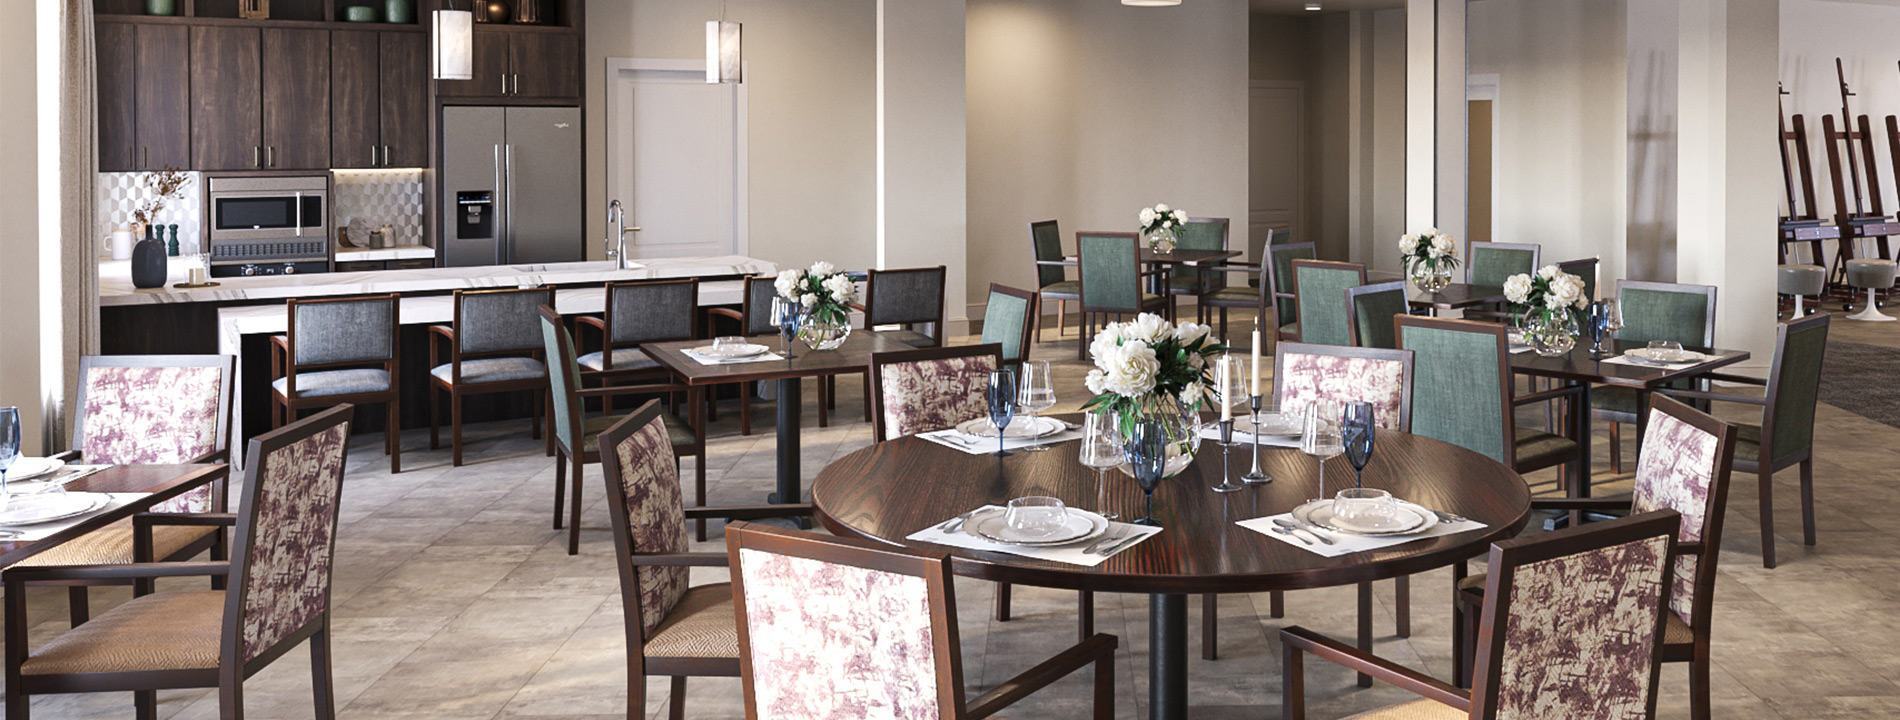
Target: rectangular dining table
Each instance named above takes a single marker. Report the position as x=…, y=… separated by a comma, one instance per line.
x=158, y=482
x=853, y=356
x=1456, y=296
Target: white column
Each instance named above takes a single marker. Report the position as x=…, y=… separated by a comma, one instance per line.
x=1452, y=130
x=921, y=163
x=1435, y=140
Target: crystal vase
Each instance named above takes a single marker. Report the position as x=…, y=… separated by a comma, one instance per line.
x=1549, y=332
x=1162, y=241
x=824, y=330
x=1429, y=276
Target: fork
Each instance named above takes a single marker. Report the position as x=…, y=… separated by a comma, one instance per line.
x=1446, y=517
x=1291, y=534
x=953, y=523
x=1106, y=541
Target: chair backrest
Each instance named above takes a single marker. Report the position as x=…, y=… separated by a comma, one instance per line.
x=1684, y=466
x=1202, y=234
x=1666, y=311
x=1586, y=270
x=1794, y=386
x=648, y=516
x=1490, y=263
x=651, y=311
x=1369, y=313
x=905, y=297
x=1304, y=373
x=1461, y=384
x=1009, y=320
x=342, y=331
x=1110, y=272
x=153, y=409
x=564, y=379
x=285, y=545
x=1257, y=247
x=835, y=627
x=929, y=389
x=1279, y=272
x=498, y=321
x=1573, y=620
x=1319, y=286
x=757, y=305
x=1045, y=241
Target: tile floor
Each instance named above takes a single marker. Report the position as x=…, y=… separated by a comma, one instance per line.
x=455, y=599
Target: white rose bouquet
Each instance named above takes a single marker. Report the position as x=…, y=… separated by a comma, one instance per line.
x=1550, y=294
x=1161, y=217
x=825, y=293
x=1149, y=357
x=1433, y=249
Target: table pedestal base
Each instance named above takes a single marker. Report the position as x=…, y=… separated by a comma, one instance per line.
x=790, y=406
x=1167, y=659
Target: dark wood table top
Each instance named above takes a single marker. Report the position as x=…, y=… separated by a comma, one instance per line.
x=892, y=489
x=1180, y=256
x=853, y=356
x=1579, y=366
x=163, y=482
x=1456, y=295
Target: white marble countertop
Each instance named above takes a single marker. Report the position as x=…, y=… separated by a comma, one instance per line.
x=115, y=279
x=409, y=252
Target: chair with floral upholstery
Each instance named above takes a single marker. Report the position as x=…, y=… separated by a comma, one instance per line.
x=1684, y=466
x=148, y=410
x=672, y=629
x=929, y=389
x=843, y=628
x=1572, y=628
x=278, y=592
x=494, y=344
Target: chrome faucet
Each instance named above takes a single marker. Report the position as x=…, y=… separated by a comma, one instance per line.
x=617, y=215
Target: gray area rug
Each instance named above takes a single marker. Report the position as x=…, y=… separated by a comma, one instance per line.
x=1861, y=379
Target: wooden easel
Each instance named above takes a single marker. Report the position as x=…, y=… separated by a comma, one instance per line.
x=1802, y=224
x=1867, y=220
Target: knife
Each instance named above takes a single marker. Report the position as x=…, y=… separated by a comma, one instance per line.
x=1133, y=537
x=1297, y=525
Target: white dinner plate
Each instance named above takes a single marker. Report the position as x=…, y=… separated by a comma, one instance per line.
x=731, y=351
x=1081, y=526
x=1666, y=356
x=1320, y=512
x=1019, y=429
x=1274, y=424
x=32, y=467
x=43, y=508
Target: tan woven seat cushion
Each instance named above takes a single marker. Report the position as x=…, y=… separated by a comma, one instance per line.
x=1414, y=710
x=112, y=545
x=165, y=631
x=700, y=626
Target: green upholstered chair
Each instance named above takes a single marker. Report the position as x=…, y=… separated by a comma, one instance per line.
x=1652, y=311
x=1490, y=264
x=1369, y=313
x=1009, y=320
x=1319, y=291
x=1051, y=284
x=1286, y=314
x=1462, y=394
x=1198, y=234
x=1112, y=281
x=1785, y=437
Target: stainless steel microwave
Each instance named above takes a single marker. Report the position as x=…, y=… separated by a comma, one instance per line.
x=268, y=208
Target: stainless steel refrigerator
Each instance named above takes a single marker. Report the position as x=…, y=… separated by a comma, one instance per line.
x=511, y=185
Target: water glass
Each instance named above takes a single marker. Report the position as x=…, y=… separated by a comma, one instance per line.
x=1038, y=393
x=1001, y=396
x=1035, y=517
x=1101, y=449
x=1320, y=439
x=1366, y=509
x=9, y=447
x=1356, y=429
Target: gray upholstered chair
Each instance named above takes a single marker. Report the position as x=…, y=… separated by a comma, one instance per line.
x=1652, y=311
x=636, y=313
x=908, y=298
x=1286, y=313
x=1489, y=264
x=1572, y=628
x=1198, y=234
x=1112, y=281
x=754, y=316
x=494, y=346
x=1785, y=437
x=835, y=627
x=1319, y=290
x=1369, y=313
x=1009, y=320
x=1051, y=284
x=278, y=592
x=1463, y=394
x=335, y=351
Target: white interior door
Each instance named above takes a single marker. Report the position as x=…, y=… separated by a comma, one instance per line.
x=1275, y=166
x=676, y=149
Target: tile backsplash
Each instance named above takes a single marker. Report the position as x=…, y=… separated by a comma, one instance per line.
x=377, y=197
x=122, y=193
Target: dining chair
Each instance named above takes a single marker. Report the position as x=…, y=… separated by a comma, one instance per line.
x=494, y=344
x=1045, y=240
x=1785, y=437
x=1586, y=270
x=1195, y=281
x=577, y=437
x=834, y=627
x=929, y=389
x=1652, y=311
x=1684, y=466
x=1369, y=313
x=321, y=359
x=672, y=629
x=1252, y=296
x=633, y=314
x=1257, y=248
x=1463, y=394
x=754, y=317
x=1009, y=320
x=1489, y=264
x=1572, y=628
x=147, y=410
x=1318, y=286
x=906, y=298
x=1111, y=281
x=278, y=594
x=1286, y=311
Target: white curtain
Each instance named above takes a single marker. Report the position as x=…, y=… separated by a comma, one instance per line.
x=78, y=172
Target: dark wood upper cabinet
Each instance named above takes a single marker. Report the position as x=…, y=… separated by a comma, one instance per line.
x=118, y=92
x=164, y=97
x=227, y=129
x=296, y=99
x=545, y=65
x=355, y=99
x=405, y=101
x=489, y=76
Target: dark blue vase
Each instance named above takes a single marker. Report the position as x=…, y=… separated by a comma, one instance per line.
x=148, y=264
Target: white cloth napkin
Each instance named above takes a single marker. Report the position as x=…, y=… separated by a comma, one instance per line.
x=704, y=360
x=1243, y=438
x=1626, y=360
x=1071, y=554
x=979, y=445
x=59, y=477
x=1347, y=543
x=42, y=531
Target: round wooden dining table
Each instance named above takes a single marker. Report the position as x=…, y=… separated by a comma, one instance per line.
x=893, y=489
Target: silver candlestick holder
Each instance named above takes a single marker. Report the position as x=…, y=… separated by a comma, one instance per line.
x=1226, y=454
x=1256, y=476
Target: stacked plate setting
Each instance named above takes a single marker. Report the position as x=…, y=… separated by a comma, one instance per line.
x=1409, y=520
x=1021, y=429
x=729, y=352
x=1079, y=526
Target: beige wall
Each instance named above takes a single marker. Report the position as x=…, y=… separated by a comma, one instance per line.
x=1087, y=111
x=19, y=204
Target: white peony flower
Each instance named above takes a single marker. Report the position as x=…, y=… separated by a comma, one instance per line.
x=1161, y=207
x=1547, y=272
x=1180, y=215
x=1147, y=216
x=1149, y=328
x=823, y=268
x=1167, y=223
x=1188, y=333
x=1518, y=288
x=1097, y=381
x=1129, y=370
x=1104, y=342
x=787, y=282
x=808, y=299
x=840, y=287
x=1444, y=246
x=1408, y=245
x=1193, y=393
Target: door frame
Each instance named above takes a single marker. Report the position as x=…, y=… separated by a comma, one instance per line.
x=620, y=137
x=1300, y=209
x=1485, y=87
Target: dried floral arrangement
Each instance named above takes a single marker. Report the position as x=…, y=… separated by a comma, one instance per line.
x=166, y=184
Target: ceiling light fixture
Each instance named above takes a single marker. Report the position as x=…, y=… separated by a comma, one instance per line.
x=1151, y=3
x=453, y=38
x=724, y=58
x=1312, y=6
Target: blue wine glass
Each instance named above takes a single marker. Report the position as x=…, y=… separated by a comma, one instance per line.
x=1356, y=432
x=1146, y=449
x=1599, y=326
x=9, y=445
x=786, y=315
x=1001, y=395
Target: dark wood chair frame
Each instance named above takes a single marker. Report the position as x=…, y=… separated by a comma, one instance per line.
x=1299, y=334
x=1090, y=313
x=1617, y=419
x=1763, y=468
x=878, y=361
x=1707, y=551
x=572, y=459
x=1062, y=299
x=230, y=674
x=1029, y=323
x=743, y=317
x=829, y=383
x=1352, y=305
x=1481, y=701
x=608, y=375
x=1262, y=303
x=456, y=388
x=1277, y=289
x=934, y=568
x=1203, y=272
x=286, y=404
x=630, y=558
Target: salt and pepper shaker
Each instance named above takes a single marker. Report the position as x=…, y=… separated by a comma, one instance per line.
x=171, y=248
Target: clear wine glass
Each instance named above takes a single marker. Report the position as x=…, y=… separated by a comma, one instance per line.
x=1101, y=449
x=786, y=315
x=1614, y=313
x=9, y=448
x=1146, y=450
x=1356, y=429
x=1320, y=439
x=1001, y=396
x=1038, y=393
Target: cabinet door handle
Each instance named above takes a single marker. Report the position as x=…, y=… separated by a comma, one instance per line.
x=257, y=156
x=504, y=83
x=385, y=156
x=270, y=155
x=147, y=162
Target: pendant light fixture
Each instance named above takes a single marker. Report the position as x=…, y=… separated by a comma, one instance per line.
x=723, y=55
x=1151, y=3
x=452, y=56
